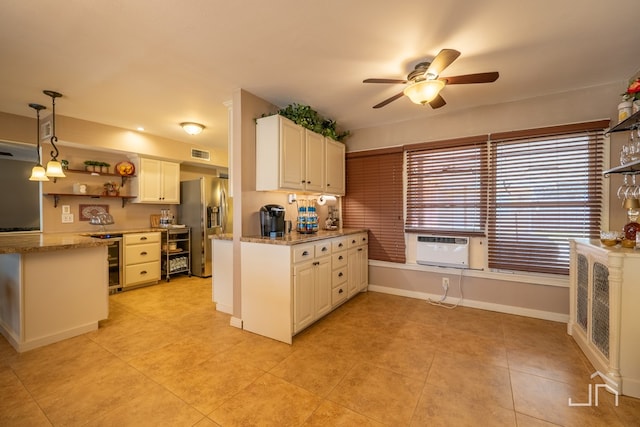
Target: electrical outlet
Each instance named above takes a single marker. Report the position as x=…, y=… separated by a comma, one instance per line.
x=67, y=218
x=292, y=198
x=445, y=283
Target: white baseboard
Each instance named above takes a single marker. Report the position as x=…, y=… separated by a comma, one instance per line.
x=235, y=322
x=22, y=346
x=500, y=308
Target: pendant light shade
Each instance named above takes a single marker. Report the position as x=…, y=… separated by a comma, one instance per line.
x=54, y=167
x=38, y=173
x=424, y=91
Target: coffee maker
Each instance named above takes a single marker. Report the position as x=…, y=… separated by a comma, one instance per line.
x=272, y=221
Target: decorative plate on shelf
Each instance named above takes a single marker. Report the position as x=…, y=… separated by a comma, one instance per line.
x=125, y=168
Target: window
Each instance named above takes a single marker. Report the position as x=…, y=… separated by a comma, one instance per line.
x=447, y=187
x=546, y=188
x=374, y=201
x=527, y=191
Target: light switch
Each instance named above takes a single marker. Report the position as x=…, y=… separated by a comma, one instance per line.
x=66, y=209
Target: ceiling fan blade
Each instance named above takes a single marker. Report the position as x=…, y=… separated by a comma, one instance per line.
x=383, y=81
x=442, y=60
x=437, y=102
x=472, y=78
x=389, y=100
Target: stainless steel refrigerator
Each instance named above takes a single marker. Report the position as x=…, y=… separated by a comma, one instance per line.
x=205, y=206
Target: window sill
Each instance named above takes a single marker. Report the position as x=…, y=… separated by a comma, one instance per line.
x=535, y=279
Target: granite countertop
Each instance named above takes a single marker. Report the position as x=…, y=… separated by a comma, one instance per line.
x=42, y=242
x=295, y=238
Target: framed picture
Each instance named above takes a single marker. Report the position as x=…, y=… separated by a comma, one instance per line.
x=87, y=211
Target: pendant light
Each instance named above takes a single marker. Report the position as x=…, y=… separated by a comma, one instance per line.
x=38, y=173
x=54, y=167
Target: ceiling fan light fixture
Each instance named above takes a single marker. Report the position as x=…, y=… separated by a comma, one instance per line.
x=424, y=91
x=192, y=128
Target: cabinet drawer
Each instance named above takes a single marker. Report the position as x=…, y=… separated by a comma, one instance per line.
x=338, y=276
x=339, y=244
x=338, y=295
x=357, y=240
x=322, y=249
x=141, y=253
x=303, y=253
x=141, y=273
x=135, y=238
x=339, y=260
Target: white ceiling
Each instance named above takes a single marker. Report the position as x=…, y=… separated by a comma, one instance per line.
x=156, y=63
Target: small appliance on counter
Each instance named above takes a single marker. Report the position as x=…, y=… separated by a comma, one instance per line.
x=272, y=221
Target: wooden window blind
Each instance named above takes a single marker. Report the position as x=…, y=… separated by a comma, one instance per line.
x=546, y=188
x=447, y=186
x=374, y=201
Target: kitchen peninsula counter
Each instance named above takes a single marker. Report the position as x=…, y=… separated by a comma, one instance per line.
x=42, y=242
x=54, y=285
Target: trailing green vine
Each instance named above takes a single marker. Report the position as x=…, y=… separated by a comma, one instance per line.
x=307, y=117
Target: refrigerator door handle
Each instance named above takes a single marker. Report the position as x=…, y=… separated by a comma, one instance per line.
x=223, y=209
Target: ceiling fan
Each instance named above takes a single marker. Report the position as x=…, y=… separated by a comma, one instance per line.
x=425, y=83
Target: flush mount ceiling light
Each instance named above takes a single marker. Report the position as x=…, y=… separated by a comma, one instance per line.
x=54, y=168
x=424, y=91
x=38, y=173
x=192, y=128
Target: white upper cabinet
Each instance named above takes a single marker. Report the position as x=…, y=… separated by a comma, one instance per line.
x=158, y=181
x=290, y=157
x=335, y=167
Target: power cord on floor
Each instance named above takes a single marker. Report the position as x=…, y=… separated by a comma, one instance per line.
x=441, y=303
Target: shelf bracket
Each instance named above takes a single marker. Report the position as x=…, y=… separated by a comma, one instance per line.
x=56, y=199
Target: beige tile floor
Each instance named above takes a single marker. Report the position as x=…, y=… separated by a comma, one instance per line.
x=166, y=357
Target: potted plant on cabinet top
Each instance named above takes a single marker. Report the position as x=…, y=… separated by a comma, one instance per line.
x=305, y=116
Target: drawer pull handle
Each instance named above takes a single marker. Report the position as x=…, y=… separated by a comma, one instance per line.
x=340, y=291
x=340, y=274
x=305, y=253
x=316, y=263
x=359, y=249
x=353, y=241
x=340, y=258
x=340, y=245
x=143, y=253
x=143, y=272
x=324, y=249
x=143, y=238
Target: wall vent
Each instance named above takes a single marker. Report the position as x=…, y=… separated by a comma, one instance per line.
x=443, y=251
x=200, y=154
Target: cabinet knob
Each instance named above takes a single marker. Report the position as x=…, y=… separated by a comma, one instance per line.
x=340, y=291
x=316, y=263
x=340, y=258
x=340, y=274
x=359, y=249
x=340, y=245
x=328, y=185
x=324, y=249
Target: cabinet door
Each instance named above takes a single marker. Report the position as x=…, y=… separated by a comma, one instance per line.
x=353, y=272
x=149, y=180
x=315, y=161
x=334, y=167
x=170, y=182
x=292, y=156
x=363, y=261
x=303, y=295
x=322, y=286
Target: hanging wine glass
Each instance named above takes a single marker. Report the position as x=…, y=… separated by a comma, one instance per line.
x=623, y=188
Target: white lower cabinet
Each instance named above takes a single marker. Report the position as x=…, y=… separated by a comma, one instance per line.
x=141, y=258
x=357, y=264
x=285, y=288
x=604, y=318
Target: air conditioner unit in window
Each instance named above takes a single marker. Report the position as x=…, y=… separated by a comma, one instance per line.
x=443, y=251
